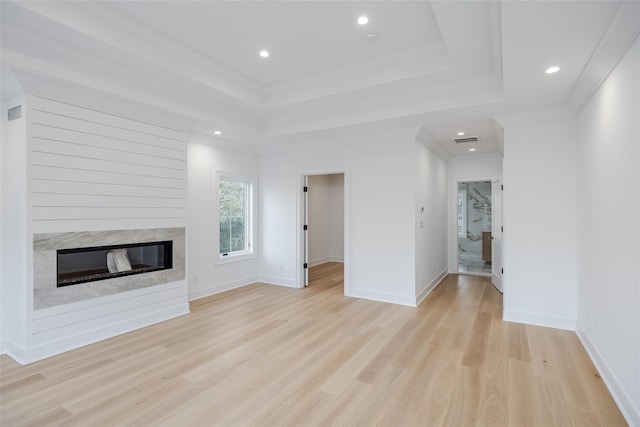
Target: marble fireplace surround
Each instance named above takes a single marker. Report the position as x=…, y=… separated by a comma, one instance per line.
x=47, y=294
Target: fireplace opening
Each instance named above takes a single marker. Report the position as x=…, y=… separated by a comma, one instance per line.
x=81, y=265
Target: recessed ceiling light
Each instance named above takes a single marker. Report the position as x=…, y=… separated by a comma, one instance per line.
x=264, y=53
x=460, y=133
x=552, y=70
x=363, y=20
x=217, y=132
x=472, y=149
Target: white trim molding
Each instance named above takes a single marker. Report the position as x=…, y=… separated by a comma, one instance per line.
x=383, y=297
x=25, y=356
x=325, y=260
x=431, y=286
x=630, y=411
x=223, y=287
x=612, y=47
x=278, y=281
x=538, y=319
x=319, y=261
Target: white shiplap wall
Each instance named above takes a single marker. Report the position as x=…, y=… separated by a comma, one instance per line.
x=91, y=170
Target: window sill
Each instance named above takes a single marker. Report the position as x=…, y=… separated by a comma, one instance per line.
x=236, y=257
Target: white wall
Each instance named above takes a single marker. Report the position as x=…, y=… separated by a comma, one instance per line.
x=319, y=209
x=539, y=220
x=205, y=158
x=336, y=217
x=465, y=169
x=326, y=218
x=609, y=225
x=3, y=291
x=379, y=202
x=430, y=220
x=14, y=226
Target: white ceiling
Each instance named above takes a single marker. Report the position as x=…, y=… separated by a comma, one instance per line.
x=443, y=66
x=304, y=38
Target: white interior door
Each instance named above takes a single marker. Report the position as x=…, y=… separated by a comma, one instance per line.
x=496, y=233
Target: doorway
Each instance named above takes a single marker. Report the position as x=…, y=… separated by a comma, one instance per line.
x=474, y=221
x=324, y=230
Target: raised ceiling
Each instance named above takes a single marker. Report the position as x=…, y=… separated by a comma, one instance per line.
x=305, y=39
x=442, y=66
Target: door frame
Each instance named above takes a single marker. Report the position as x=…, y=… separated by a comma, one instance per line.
x=300, y=233
x=497, y=181
x=453, y=221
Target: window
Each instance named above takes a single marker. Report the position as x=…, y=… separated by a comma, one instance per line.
x=236, y=222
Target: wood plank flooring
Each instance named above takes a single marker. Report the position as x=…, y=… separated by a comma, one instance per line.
x=266, y=355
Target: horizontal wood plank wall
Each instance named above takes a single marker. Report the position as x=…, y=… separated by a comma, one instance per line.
x=89, y=171
x=92, y=170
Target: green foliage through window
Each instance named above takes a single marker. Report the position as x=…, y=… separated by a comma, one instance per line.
x=233, y=197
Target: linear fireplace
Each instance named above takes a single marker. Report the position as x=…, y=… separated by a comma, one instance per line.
x=165, y=266
x=81, y=265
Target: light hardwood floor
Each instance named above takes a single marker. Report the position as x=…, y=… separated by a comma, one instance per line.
x=266, y=355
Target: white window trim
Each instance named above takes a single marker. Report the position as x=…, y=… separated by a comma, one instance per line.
x=252, y=231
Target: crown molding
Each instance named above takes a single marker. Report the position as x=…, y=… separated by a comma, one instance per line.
x=425, y=138
x=614, y=44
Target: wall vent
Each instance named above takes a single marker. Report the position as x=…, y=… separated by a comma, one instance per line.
x=468, y=139
x=15, y=112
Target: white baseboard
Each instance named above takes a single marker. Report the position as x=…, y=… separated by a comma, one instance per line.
x=629, y=410
x=537, y=319
x=25, y=356
x=280, y=281
x=212, y=290
x=269, y=280
x=431, y=286
x=323, y=260
x=383, y=297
